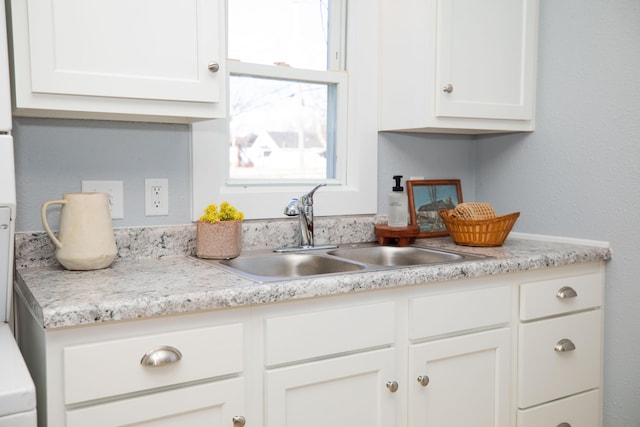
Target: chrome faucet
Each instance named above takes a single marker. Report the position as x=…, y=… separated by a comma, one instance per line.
x=303, y=209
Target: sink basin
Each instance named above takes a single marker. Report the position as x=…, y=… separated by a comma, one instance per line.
x=289, y=265
x=394, y=256
x=268, y=266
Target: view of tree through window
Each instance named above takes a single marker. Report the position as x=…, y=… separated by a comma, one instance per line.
x=281, y=128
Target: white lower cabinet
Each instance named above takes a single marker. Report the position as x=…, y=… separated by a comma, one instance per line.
x=186, y=370
x=560, y=349
x=484, y=352
x=461, y=381
x=461, y=351
x=331, y=364
x=338, y=392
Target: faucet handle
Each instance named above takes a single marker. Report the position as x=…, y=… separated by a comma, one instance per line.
x=307, y=199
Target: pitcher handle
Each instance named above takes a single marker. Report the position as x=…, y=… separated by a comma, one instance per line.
x=43, y=214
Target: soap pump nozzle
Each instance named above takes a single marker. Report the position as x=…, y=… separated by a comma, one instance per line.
x=398, y=186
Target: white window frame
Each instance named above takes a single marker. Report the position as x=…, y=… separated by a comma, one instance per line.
x=354, y=191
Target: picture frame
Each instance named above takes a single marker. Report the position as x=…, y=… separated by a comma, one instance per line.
x=426, y=198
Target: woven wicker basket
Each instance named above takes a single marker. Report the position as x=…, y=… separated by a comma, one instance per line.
x=483, y=232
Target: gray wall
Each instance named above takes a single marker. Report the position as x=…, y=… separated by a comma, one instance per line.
x=54, y=156
x=576, y=175
x=428, y=156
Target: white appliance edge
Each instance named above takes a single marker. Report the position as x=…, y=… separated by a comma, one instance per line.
x=17, y=392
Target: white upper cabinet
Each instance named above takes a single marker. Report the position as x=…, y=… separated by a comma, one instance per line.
x=136, y=59
x=458, y=66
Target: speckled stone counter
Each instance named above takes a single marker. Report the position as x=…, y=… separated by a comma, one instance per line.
x=172, y=282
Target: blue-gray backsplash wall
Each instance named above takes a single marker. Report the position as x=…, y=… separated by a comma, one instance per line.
x=54, y=156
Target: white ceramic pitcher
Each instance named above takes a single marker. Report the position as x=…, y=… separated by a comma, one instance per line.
x=85, y=240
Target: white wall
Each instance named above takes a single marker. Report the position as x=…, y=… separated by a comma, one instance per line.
x=578, y=174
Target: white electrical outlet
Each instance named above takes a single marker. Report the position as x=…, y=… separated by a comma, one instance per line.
x=115, y=189
x=156, y=197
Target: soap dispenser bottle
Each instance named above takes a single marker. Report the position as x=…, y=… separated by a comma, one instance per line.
x=398, y=215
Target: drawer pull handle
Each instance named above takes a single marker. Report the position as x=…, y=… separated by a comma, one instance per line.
x=423, y=380
x=564, y=425
x=239, y=421
x=213, y=66
x=566, y=292
x=161, y=356
x=564, y=345
x=392, y=386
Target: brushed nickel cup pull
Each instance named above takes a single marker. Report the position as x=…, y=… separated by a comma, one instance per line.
x=161, y=356
x=564, y=425
x=566, y=292
x=213, y=66
x=392, y=386
x=564, y=345
x=238, y=421
x=448, y=88
x=423, y=380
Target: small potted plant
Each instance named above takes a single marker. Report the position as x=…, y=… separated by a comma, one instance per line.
x=219, y=232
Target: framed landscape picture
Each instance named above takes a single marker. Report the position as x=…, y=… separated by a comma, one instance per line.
x=426, y=198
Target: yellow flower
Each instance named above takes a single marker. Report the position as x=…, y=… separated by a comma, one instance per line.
x=227, y=213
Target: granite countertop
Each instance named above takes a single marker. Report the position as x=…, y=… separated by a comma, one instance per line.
x=140, y=288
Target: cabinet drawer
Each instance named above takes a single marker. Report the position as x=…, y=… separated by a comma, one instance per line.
x=94, y=371
x=210, y=404
x=311, y=335
x=449, y=313
x=545, y=298
x=582, y=410
x=546, y=373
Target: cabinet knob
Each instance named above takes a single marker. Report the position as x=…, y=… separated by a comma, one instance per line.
x=448, y=88
x=161, y=356
x=392, y=386
x=564, y=345
x=564, y=425
x=238, y=421
x=213, y=66
x=423, y=380
x=566, y=292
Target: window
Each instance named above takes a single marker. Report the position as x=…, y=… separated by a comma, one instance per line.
x=292, y=122
x=285, y=84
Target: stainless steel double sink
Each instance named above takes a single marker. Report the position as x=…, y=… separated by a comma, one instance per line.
x=265, y=266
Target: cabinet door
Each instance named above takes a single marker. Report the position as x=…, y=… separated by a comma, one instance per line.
x=145, y=49
x=341, y=392
x=468, y=381
x=485, y=58
x=207, y=405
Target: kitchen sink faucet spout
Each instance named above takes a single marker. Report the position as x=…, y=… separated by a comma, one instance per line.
x=303, y=209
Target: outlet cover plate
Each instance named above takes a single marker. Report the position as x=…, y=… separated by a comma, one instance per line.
x=156, y=197
x=115, y=189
